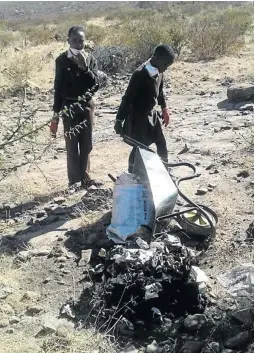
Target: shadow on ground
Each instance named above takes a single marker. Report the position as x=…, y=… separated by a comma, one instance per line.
x=53, y=224
x=11, y=212
x=227, y=105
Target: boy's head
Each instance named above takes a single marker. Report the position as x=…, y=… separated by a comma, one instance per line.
x=163, y=57
x=76, y=37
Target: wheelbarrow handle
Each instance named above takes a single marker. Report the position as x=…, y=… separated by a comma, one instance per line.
x=184, y=164
x=135, y=143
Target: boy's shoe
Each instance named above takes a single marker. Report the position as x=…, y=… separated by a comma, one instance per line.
x=86, y=183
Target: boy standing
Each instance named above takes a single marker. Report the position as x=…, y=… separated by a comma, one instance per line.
x=136, y=116
x=76, y=73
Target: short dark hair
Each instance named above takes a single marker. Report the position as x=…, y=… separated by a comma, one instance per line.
x=75, y=29
x=166, y=51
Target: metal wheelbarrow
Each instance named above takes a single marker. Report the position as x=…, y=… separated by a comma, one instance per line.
x=196, y=220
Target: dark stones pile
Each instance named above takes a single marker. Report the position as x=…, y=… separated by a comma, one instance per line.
x=144, y=287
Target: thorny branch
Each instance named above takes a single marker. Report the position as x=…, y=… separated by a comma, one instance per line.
x=23, y=130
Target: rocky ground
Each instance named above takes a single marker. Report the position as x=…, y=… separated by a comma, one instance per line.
x=44, y=229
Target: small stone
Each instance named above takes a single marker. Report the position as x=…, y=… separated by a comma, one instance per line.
x=48, y=208
x=201, y=191
x=195, y=322
x=40, y=252
x=41, y=214
x=23, y=256
x=243, y=174
x=61, y=283
x=10, y=330
x=59, y=211
x=152, y=348
x=184, y=150
x=34, y=309
x=60, y=238
x=213, y=347
x=6, y=309
x=192, y=347
x=244, y=316
x=47, y=280
x=238, y=341
x=29, y=295
x=4, y=323
x=62, y=331
x=209, y=167
x=50, y=219
x=14, y=320
x=92, y=187
x=5, y=291
x=66, y=272
x=212, y=186
x=59, y=200
x=215, y=171
x=61, y=259
x=49, y=324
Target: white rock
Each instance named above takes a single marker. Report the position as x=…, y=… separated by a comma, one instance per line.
x=198, y=274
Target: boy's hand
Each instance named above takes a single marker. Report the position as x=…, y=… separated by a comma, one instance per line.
x=165, y=116
x=118, y=127
x=54, y=125
x=81, y=61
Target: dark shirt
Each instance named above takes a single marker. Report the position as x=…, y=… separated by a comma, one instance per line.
x=142, y=94
x=71, y=80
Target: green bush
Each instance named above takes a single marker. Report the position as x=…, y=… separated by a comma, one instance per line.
x=143, y=36
x=212, y=35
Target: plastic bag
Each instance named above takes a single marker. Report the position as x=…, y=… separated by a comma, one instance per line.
x=132, y=208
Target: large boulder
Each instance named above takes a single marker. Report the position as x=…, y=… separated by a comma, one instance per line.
x=240, y=93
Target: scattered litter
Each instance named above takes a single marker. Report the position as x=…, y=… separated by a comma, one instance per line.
x=200, y=277
x=152, y=290
x=67, y=311
x=239, y=281
x=142, y=244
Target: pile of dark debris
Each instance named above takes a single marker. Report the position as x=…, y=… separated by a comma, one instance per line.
x=153, y=298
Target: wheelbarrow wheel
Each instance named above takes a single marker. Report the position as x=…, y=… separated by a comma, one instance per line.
x=195, y=224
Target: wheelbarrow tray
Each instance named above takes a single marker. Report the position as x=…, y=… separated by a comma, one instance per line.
x=162, y=190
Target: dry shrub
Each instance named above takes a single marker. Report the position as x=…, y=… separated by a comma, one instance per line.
x=96, y=33
x=216, y=34
x=20, y=69
x=37, y=35
x=143, y=36
x=125, y=14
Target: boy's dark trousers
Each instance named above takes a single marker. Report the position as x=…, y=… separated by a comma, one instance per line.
x=79, y=144
x=147, y=134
